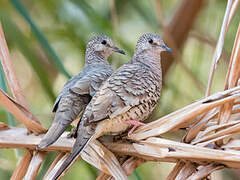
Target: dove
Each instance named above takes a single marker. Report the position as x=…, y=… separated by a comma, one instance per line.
x=78, y=91
x=126, y=98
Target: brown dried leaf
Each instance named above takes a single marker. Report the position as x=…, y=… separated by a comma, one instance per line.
x=22, y=167
x=235, y=128
x=225, y=112
x=219, y=47
x=18, y=138
x=233, y=10
x=234, y=65
x=12, y=78
x=232, y=144
x=175, y=171
x=212, y=141
x=159, y=148
x=9, y=71
x=100, y=157
x=51, y=173
x=213, y=128
x=177, y=119
x=204, y=171
x=18, y=111
x=103, y=159
x=193, y=131
x=3, y=126
x=103, y=176
x=34, y=165
x=58, y=158
x=186, y=171
x=129, y=166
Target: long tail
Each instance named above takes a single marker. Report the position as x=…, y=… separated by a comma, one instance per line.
x=62, y=120
x=54, y=132
x=84, y=137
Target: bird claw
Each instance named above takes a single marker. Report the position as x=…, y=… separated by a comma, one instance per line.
x=135, y=125
x=73, y=133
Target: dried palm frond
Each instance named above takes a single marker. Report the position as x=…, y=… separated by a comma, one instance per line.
x=212, y=127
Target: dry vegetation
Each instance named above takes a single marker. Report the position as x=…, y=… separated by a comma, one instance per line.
x=211, y=127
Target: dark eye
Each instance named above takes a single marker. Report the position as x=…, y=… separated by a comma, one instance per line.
x=104, y=42
x=150, y=41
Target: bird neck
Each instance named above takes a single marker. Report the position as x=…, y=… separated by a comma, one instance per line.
x=149, y=58
x=92, y=57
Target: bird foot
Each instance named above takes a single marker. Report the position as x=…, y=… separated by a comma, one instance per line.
x=135, y=125
x=73, y=133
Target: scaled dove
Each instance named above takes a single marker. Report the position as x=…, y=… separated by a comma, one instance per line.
x=125, y=99
x=77, y=92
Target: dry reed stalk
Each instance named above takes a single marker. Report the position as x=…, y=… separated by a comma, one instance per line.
x=11, y=76
x=22, y=167
x=99, y=156
x=128, y=165
x=176, y=119
x=198, y=159
x=186, y=170
x=234, y=65
x=219, y=47
x=203, y=171
x=231, y=81
x=34, y=165
x=103, y=176
x=19, y=104
x=3, y=126
x=216, y=134
x=153, y=148
x=233, y=11
x=17, y=138
x=9, y=71
x=19, y=112
x=176, y=170
x=19, y=108
x=58, y=158
x=58, y=163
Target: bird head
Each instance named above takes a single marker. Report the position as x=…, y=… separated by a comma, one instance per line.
x=103, y=45
x=151, y=42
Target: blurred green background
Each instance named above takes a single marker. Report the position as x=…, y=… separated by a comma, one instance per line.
x=47, y=41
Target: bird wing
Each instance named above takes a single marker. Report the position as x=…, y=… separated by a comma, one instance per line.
x=86, y=82
x=129, y=86
x=65, y=89
x=90, y=83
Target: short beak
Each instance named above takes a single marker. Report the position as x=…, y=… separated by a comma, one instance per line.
x=116, y=49
x=167, y=48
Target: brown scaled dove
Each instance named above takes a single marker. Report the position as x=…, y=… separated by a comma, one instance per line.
x=78, y=91
x=125, y=99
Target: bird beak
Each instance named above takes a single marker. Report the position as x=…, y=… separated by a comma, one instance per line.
x=116, y=49
x=166, y=48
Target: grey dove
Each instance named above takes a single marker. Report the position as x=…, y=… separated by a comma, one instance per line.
x=125, y=99
x=78, y=91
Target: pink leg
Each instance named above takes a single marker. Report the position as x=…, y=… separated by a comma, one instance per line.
x=135, y=125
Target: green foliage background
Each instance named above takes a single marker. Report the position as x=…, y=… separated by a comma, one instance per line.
x=47, y=41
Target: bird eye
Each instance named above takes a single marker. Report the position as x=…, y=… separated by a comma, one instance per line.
x=104, y=42
x=150, y=41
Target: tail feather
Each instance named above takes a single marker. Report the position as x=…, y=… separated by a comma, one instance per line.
x=63, y=118
x=54, y=132
x=83, y=139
